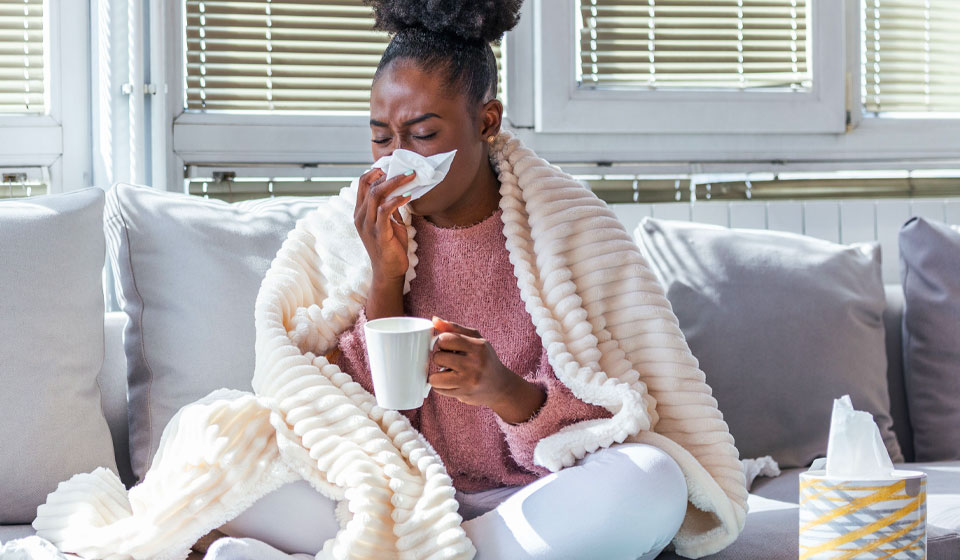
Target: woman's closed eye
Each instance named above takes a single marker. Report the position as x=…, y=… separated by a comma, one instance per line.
x=385, y=140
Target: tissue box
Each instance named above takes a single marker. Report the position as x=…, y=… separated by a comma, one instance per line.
x=873, y=518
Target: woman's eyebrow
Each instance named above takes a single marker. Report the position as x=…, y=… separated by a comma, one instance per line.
x=422, y=117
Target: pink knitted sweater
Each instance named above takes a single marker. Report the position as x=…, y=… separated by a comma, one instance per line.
x=464, y=275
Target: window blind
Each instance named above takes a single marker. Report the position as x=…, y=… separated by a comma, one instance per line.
x=911, y=56
x=690, y=44
x=21, y=56
x=248, y=55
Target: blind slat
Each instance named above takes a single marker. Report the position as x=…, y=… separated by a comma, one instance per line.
x=911, y=56
x=277, y=56
x=730, y=44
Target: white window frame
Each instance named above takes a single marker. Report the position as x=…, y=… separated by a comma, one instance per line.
x=183, y=138
x=57, y=143
x=564, y=107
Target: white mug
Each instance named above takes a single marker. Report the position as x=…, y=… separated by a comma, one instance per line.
x=398, y=349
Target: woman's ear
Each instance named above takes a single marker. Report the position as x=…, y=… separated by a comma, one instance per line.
x=491, y=115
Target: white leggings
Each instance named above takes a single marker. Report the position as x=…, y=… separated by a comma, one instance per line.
x=626, y=501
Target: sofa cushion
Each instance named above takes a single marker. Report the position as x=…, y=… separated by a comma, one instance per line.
x=188, y=271
x=781, y=325
x=770, y=533
x=11, y=532
x=51, y=347
x=930, y=274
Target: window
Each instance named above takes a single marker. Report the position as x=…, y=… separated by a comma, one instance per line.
x=38, y=53
x=274, y=84
x=911, y=56
x=21, y=84
x=712, y=45
x=266, y=56
x=671, y=66
x=270, y=97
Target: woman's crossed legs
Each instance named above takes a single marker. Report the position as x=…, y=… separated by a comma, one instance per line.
x=626, y=501
x=622, y=502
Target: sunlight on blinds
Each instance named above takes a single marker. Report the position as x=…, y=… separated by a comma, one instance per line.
x=283, y=55
x=21, y=56
x=694, y=44
x=911, y=56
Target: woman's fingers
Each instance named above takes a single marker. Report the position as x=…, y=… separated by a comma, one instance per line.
x=364, y=184
x=455, y=342
x=444, y=380
x=378, y=193
x=452, y=360
x=458, y=328
x=386, y=210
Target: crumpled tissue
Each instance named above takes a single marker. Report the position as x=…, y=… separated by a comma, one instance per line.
x=855, y=450
x=430, y=170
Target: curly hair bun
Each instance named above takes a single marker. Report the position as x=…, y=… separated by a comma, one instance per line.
x=470, y=19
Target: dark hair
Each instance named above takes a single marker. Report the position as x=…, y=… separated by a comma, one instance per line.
x=454, y=35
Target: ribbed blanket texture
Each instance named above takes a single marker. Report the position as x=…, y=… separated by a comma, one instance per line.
x=610, y=334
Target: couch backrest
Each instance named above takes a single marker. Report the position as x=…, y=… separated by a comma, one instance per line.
x=892, y=323
x=113, y=391
x=840, y=221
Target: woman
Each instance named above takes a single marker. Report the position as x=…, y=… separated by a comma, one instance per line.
x=494, y=393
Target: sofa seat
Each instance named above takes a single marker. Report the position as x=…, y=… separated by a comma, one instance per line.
x=772, y=527
x=773, y=520
x=11, y=532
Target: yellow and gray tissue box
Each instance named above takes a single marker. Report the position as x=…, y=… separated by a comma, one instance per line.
x=863, y=518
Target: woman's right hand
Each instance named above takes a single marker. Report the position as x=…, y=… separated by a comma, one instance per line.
x=380, y=225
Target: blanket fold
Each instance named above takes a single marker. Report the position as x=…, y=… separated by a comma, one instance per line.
x=611, y=337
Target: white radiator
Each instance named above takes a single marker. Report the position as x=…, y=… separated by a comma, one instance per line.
x=840, y=221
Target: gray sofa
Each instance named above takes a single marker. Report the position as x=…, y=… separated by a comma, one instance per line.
x=771, y=530
x=772, y=523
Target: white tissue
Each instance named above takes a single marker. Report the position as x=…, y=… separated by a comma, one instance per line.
x=430, y=170
x=855, y=450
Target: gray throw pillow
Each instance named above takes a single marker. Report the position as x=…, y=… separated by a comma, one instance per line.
x=52, y=424
x=188, y=270
x=930, y=272
x=781, y=325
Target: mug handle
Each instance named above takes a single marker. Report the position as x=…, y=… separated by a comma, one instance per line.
x=433, y=342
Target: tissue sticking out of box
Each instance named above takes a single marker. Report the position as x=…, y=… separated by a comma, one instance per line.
x=855, y=450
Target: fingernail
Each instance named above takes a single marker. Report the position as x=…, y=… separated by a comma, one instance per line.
x=408, y=172
x=407, y=194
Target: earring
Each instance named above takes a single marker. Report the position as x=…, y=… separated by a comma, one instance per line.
x=490, y=139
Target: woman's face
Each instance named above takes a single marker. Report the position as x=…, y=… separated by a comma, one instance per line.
x=411, y=109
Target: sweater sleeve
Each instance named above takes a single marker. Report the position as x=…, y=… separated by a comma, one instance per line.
x=352, y=358
x=561, y=408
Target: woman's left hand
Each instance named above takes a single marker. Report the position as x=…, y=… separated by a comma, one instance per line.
x=475, y=375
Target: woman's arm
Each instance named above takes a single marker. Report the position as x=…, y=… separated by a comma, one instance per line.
x=560, y=408
x=521, y=402
x=385, y=298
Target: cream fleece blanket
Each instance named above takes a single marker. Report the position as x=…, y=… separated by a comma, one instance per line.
x=611, y=337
